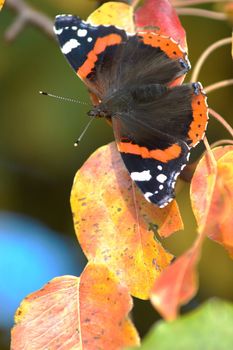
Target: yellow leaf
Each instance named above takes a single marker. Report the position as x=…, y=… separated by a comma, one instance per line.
x=118, y=14
x=113, y=221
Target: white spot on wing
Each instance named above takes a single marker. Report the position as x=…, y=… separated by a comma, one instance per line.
x=183, y=166
x=161, y=187
x=57, y=31
x=69, y=46
x=161, y=178
x=82, y=33
x=89, y=39
x=159, y=167
x=141, y=176
x=147, y=195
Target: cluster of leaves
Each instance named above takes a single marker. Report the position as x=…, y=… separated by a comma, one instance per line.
x=114, y=226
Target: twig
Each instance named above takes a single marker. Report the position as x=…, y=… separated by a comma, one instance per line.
x=181, y=3
x=221, y=120
x=218, y=85
x=205, y=54
x=27, y=15
x=201, y=13
x=221, y=142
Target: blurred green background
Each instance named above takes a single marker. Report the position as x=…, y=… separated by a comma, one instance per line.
x=37, y=158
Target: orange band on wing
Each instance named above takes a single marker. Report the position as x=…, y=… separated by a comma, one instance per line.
x=171, y=48
x=92, y=57
x=164, y=156
x=200, y=118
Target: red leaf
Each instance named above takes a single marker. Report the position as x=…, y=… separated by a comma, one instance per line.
x=212, y=197
x=161, y=16
x=113, y=220
x=73, y=313
x=177, y=283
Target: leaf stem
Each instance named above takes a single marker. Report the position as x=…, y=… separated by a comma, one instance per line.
x=221, y=120
x=218, y=85
x=134, y=3
x=206, y=53
x=210, y=154
x=201, y=13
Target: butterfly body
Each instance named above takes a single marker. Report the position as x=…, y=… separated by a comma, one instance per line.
x=155, y=124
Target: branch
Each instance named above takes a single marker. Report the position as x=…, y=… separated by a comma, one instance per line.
x=177, y=3
x=201, y=13
x=27, y=15
x=218, y=85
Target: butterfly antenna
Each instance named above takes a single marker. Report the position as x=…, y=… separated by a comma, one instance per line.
x=84, y=131
x=63, y=98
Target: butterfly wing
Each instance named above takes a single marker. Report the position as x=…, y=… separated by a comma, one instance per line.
x=107, y=58
x=153, y=166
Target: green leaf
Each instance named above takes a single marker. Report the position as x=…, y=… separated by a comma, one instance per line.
x=210, y=327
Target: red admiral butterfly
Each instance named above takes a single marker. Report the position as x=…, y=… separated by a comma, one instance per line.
x=155, y=125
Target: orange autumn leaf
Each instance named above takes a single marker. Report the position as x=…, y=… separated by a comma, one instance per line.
x=114, y=13
x=218, y=222
x=73, y=313
x=178, y=283
x=113, y=221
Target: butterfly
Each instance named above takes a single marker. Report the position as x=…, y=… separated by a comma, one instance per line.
x=155, y=125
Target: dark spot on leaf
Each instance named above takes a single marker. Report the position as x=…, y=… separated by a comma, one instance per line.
x=198, y=102
x=153, y=227
x=119, y=209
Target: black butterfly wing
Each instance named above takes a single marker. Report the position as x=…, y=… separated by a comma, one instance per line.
x=109, y=59
x=154, y=165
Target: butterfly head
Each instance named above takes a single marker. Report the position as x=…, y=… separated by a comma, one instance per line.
x=99, y=112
